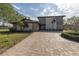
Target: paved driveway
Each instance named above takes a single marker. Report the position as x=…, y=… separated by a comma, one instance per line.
x=42, y=44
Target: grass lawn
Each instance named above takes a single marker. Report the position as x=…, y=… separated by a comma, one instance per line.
x=9, y=39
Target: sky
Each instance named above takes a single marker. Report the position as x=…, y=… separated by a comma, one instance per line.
x=67, y=8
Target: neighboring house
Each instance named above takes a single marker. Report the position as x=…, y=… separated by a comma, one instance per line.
x=44, y=23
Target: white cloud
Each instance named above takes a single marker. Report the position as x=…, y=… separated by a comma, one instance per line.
x=58, y=7
x=67, y=9
x=51, y=10
x=47, y=12
x=64, y=1
x=34, y=9
x=16, y=7
x=70, y=9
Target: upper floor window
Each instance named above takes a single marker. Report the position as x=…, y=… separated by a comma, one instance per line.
x=54, y=20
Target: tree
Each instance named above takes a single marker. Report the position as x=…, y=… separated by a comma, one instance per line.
x=73, y=22
x=8, y=13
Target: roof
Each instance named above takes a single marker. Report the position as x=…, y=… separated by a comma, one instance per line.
x=51, y=16
x=31, y=22
x=27, y=21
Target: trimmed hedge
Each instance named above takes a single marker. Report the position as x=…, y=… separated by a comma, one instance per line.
x=71, y=36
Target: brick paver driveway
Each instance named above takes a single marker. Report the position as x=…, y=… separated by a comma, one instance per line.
x=44, y=43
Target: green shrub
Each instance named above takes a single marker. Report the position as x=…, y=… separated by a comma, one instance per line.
x=71, y=36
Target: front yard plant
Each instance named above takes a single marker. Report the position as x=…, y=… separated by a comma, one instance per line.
x=71, y=35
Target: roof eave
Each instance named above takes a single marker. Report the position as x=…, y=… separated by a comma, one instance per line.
x=51, y=16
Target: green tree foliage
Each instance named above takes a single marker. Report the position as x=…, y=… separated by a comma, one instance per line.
x=8, y=13
x=73, y=20
x=73, y=23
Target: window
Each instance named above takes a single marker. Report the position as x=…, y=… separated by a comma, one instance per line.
x=53, y=21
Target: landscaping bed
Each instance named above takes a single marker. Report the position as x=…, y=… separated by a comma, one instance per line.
x=9, y=39
x=71, y=36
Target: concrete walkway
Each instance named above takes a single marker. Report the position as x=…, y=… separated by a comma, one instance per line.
x=42, y=44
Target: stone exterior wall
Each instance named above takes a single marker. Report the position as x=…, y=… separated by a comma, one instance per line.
x=58, y=25
x=42, y=22
x=31, y=27
x=50, y=25
x=35, y=27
